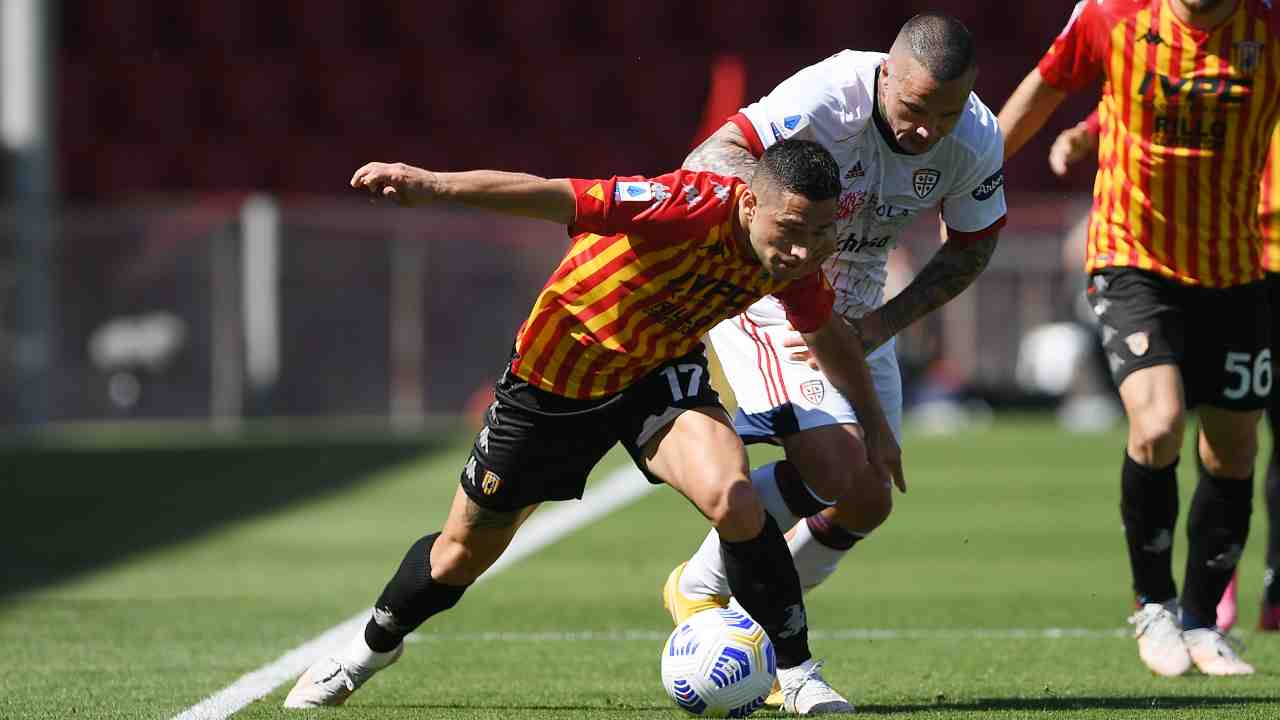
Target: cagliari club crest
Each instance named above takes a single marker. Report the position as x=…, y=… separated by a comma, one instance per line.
x=814, y=390
x=1246, y=55
x=924, y=180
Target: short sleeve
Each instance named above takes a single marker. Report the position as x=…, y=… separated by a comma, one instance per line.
x=975, y=204
x=667, y=206
x=808, y=301
x=1075, y=58
x=793, y=109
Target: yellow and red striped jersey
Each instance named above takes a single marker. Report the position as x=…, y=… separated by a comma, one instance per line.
x=1269, y=209
x=1186, y=117
x=654, y=264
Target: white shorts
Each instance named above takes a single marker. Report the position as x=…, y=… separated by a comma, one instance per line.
x=778, y=397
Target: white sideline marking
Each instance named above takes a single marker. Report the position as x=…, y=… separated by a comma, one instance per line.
x=828, y=635
x=544, y=528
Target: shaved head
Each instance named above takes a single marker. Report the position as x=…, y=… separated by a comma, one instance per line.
x=940, y=43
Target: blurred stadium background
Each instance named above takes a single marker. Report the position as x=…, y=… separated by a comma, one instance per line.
x=180, y=242
x=230, y=389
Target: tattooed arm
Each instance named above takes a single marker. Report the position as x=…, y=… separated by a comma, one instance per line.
x=725, y=153
x=952, y=269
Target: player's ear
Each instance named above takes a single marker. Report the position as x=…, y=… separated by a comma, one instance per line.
x=747, y=203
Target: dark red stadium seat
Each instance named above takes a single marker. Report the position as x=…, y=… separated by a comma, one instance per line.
x=253, y=97
x=78, y=101
x=331, y=27
x=119, y=25
x=161, y=100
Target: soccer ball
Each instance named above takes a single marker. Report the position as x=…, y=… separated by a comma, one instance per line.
x=718, y=663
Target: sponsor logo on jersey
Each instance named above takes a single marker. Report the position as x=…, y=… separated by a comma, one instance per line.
x=1246, y=55
x=1156, y=88
x=988, y=187
x=777, y=134
x=1138, y=343
x=632, y=192
x=924, y=181
x=853, y=243
x=470, y=469
x=1151, y=38
x=814, y=390
x=721, y=192
x=491, y=482
x=855, y=172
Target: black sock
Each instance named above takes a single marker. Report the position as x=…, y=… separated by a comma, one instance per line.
x=1217, y=528
x=1149, y=508
x=763, y=578
x=1272, y=592
x=409, y=598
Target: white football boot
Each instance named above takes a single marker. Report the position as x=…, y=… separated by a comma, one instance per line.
x=331, y=680
x=804, y=692
x=1160, y=643
x=1214, y=653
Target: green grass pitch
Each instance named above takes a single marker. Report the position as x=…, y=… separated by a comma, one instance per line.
x=1013, y=527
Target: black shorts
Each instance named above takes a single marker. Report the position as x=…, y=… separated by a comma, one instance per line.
x=537, y=446
x=1219, y=338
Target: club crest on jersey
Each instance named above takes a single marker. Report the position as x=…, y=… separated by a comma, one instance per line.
x=855, y=172
x=814, y=390
x=1246, y=55
x=924, y=181
x=1138, y=343
x=491, y=482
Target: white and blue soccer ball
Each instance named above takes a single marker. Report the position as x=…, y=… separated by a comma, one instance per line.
x=719, y=663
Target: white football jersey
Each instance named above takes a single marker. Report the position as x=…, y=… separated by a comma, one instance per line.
x=883, y=190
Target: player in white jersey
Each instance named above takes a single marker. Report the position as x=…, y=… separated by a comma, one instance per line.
x=909, y=135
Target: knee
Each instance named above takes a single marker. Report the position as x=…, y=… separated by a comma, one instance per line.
x=833, y=474
x=1233, y=458
x=1155, y=435
x=867, y=504
x=735, y=510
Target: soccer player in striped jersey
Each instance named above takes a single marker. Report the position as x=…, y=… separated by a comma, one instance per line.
x=1189, y=103
x=1081, y=140
x=611, y=354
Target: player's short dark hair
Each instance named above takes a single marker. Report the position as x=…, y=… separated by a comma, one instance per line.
x=802, y=167
x=941, y=43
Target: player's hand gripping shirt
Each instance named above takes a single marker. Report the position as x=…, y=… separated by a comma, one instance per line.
x=883, y=190
x=1187, y=116
x=653, y=266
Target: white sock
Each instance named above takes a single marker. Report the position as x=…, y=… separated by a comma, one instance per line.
x=799, y=671
x=765, y=482
x=814, y=561
x=704, y=575
x=358, y=655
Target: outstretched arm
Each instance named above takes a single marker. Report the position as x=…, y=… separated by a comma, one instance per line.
x=838, y=352
x=505, y=192
x=726, y=152
x=952, y=269
x=1027, y=109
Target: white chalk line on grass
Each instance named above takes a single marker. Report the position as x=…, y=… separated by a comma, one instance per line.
x=820, y=635
x=546, y=526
